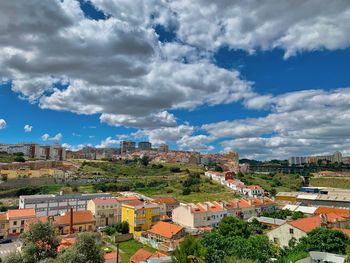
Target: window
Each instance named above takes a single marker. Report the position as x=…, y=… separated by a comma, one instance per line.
x=291, y=231
x=15, y=223
x=22, y=222
x=14, y=231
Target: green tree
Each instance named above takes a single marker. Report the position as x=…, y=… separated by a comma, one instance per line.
x=144, y=160
x=190, y=248
x=40, y=241
x=14, y=257
x=235, y=260
x=326, y=240
x=87, y=248
x=232, y=226
x=19, y=159
x=297, y=215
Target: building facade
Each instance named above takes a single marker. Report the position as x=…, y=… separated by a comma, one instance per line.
x=127, y=147
x=105, y=211
x=140, y=215
x=52, y=205
x=144, y=146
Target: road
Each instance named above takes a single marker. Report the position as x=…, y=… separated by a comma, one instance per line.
x=6, y=249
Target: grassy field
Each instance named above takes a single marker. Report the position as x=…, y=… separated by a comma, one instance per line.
x=130, y=247
x=337, y=182
x=278, y=182
x=157, y=180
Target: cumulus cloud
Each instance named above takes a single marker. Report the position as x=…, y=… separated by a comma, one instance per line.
x=108, y=142
x=74, y=147
x=294, y=26
x=2, y=124
x=28, y=128
x=300, y=123
x=196, y=143
x=47, y=137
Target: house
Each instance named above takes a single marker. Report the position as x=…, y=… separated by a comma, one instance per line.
x=81, y=221
x=299, y=228
x=206, y=214
x=105, y=211
x=325, y=210
x=316, y=256
x=252, y=190
x=268, y=221
x=140, y=215
x=4, y=226
x=167, y=205
x=17, y=219
x=166, y=232
x=144, y=256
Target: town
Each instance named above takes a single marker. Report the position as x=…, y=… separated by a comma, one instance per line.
x=134, y=219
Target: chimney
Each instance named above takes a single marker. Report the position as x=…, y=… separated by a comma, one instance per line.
x=71, y=231
x=323, y=220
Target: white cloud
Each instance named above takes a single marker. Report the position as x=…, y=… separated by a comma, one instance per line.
x=74, y=147
x=300, y=123
x=196, y=143
x=165, y=134
x=294, y=26
x=108, y=142
x=3, y=124
x=28, y=128
x=47, y=137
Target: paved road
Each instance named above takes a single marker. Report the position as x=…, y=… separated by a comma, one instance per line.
x=6, y=249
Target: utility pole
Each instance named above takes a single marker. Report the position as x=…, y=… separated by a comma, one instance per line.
x=117, y=252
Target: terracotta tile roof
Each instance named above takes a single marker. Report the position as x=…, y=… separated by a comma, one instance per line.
x=215, y=207
x=165, y=229
x=310, y=223
x=135, y=203
x=243, y=203
x=198, y=209
x=78, y=217
x=110, y=255
x=140, y=255
x=326, y=210
x=158, y=254
x=128, y=198
x=345, y=231
x=105, y=201
x=253, y=186
x=18, y=213
x=165, y=200
x=3, y=216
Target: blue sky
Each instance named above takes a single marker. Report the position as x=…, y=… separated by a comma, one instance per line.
x=267, y=86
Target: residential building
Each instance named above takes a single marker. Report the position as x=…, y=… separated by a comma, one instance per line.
x=76, y=222
x=307, y=210
x=167, y=205
x=323, y=257
x=105, y=211
x=300, y=228
x=333, y=158
x=17, y=219
x=4, y=226
x=140, y=215
x=52, y=204
x=144, y=146
x=163, y=148
x=206, y=214
x=252, y=190
x=268, y=221
x=144, y=256
x=127, y=147
x=166, y=232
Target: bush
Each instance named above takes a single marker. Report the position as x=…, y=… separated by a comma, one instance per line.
x=186, y=191
x=19, y=159
x=175, y=169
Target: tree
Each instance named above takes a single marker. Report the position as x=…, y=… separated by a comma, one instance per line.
x=19, y=159
x=87, y=248
x=14, y=257
x=144, y=160
x=297, y=215
x=232, y=226
x=189, y=249
x=40, y=241
x=326, y=240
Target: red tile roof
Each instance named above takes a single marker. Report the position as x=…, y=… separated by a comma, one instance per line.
x=165, y=200
x=105, y=201
x=165, y=229
x=310, y=223
x=3, y=216
x=18, y=213
x=128, y=198
x=140, y=255
x=135, y=203
x=326, y=210
x=78, y=217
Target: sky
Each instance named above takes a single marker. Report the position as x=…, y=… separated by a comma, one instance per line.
x=268, y=79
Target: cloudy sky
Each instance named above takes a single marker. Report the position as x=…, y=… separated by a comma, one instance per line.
x=269, y=79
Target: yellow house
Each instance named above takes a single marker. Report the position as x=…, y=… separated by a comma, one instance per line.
x=140, y=215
